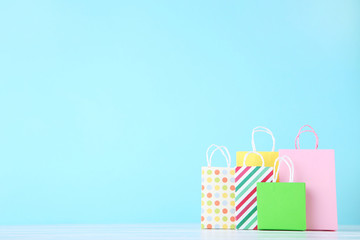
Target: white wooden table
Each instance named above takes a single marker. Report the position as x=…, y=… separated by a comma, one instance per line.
x=160, y=232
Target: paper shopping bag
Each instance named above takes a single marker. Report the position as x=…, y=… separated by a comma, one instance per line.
x=246, y=178
x=218, y=194
x=255, y=160
x=282, y=205
x=315, y=167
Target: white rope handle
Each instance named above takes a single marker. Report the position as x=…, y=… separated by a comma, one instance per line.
x=265, y=130
x=290, y=165
x=247, y=154
x=227, y=158
x=207, y=153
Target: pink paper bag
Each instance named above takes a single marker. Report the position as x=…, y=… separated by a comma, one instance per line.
x=315, y=167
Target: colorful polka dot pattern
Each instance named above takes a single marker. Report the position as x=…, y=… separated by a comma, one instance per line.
x=218, y=198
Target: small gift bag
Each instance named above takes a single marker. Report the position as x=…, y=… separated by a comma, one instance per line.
x=282, y=205
x=315, y=167
x=255, y=160
x=218, y=193
x=246, y=178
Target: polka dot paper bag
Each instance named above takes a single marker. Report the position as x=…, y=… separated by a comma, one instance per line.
x=218, y=194
x=246, y=179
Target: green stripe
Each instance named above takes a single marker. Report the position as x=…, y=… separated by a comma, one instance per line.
x=247, y=217
x=247, y=178
x=251, y=223
x=254, y=181
x=237, y=197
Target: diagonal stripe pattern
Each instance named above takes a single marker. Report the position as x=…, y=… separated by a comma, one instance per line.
x=246, y=179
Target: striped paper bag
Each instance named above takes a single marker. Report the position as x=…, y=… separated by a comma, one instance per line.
x=246, y=178
x=218, y=194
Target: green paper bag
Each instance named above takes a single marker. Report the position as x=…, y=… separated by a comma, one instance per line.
x=281, y=205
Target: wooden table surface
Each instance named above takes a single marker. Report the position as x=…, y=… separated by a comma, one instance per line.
x=160, y=232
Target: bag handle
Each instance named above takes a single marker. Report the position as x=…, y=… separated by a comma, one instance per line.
x=247, y=154
x=297, y=144
x=290, y=165
x=227, y=158
x=265, y=130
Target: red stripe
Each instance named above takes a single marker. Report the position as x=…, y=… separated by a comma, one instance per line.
x=241, y=174
x=267, y=177
x=246, y=208
x=255, y=227
x=246, y=198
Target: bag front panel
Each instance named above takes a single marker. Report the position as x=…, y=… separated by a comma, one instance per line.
x=218, y=198
x=317, y=169
x=246, y=179
x=281, y=206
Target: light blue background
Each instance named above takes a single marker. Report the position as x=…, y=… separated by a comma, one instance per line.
x=107, y=107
